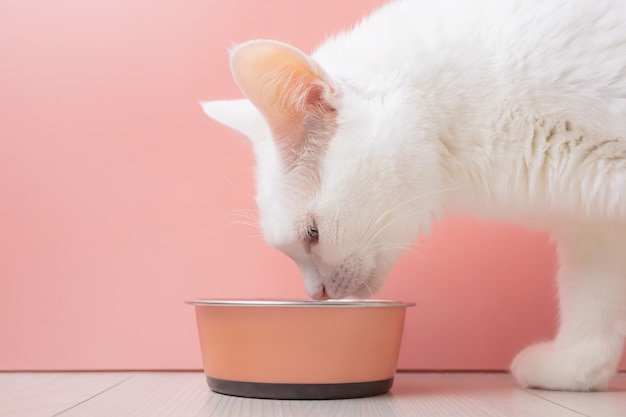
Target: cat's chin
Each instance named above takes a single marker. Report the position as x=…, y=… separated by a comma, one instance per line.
x=361, y=293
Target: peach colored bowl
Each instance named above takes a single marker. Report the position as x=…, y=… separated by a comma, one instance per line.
x=300, y=349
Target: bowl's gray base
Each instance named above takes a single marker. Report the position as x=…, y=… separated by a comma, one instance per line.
x=299, y=391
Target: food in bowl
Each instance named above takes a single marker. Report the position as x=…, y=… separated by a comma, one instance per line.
x=284, y=349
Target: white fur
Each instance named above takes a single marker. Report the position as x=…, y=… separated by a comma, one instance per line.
x=507, y=109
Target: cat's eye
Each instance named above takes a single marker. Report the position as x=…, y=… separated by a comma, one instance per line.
x=312, y=234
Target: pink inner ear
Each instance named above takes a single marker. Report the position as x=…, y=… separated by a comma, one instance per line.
x=283, y=83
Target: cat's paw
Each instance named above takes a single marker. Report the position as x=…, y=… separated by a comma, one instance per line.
x=566, y=369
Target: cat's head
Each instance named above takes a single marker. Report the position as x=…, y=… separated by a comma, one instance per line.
x=341, y=189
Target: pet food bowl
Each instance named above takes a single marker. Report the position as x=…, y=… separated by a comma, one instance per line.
x=300, y=349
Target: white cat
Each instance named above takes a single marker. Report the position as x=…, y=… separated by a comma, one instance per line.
x=503, y=109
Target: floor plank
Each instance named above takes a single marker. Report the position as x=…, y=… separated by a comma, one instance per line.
x=152, y=394
x=414, y=395
x=28, y=394
x=469, y=394
x=175, y=394
x=596, y=404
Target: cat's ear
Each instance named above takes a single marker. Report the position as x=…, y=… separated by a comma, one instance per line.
x=240, y=115
x=289, y=88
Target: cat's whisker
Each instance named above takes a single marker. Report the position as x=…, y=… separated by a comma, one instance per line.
x=249, y=217
x=394, y=221
x=381, y=216
x=406, y=249
x=238, y=223
x=249, y=214
x=393, y=207
x=385, y=248
x=398, y=218
x=369, y=288
x=254, y=225
x=367, y=283
x=243, y=217
x=372, y=224
x=258, y=236
x=249, y=222
x=243, y=192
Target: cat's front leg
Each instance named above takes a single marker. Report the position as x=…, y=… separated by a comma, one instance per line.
x=592, y=294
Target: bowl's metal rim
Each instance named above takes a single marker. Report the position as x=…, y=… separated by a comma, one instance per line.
x=298, y=303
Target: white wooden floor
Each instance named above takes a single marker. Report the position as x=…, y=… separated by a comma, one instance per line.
x=158, y=394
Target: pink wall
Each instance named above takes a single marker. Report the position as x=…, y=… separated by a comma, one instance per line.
x=120, y=199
